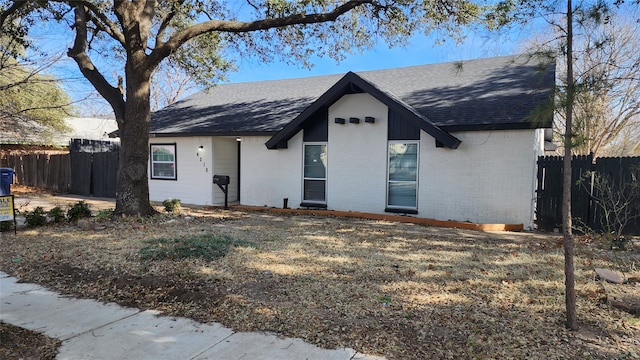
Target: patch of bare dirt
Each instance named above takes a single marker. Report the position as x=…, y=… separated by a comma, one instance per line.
x=400, y=290
x=18, y=189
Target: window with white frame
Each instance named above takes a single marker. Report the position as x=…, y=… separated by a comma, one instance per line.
x=315, y=173
x=402, y=181
x=163, y=161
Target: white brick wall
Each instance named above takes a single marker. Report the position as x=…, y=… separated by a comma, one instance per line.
x=269, y=176
x=490, y=178
x=194, y=172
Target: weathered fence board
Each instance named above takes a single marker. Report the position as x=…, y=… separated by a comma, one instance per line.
x=41, y=170
x=80, y=173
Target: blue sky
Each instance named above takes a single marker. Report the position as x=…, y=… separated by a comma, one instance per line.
x=420, y=50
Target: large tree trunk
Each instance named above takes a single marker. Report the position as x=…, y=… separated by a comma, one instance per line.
x=132, y=197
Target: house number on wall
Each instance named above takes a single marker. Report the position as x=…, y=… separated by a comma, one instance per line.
x=204, y=165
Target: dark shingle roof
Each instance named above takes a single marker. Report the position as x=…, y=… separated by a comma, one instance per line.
x=495, y=93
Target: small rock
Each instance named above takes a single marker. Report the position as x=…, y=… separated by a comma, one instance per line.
x=609, y=276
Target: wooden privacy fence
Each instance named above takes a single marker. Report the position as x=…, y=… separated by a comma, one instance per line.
x=94, y=173
x=42, y=170
x=87, y=170
x=588, y=191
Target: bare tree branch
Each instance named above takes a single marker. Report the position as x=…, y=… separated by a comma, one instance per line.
x=183, y=36
x=78, y=53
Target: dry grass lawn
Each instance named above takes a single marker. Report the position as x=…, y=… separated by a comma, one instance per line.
x=400, y=290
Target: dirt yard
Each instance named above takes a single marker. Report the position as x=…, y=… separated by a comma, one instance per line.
x=400, y=290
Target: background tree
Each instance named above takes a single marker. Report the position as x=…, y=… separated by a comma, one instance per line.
x=26, y=91
x=170, y=83
x=607, y=102
x=183, y=72
x=141, y=34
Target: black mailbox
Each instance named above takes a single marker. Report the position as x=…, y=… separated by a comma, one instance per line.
x=221, y=179
x=223, y=183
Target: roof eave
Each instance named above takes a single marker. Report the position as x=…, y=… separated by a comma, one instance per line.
x=502, y=126
x=209, y=133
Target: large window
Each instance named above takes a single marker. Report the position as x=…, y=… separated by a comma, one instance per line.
x=315, y=173
x=402, y=185
x=163, y=161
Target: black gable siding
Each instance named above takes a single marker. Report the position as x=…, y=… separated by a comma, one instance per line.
x=401, y=129
x=316, y=129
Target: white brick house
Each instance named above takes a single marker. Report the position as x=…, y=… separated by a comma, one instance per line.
x=445, y=141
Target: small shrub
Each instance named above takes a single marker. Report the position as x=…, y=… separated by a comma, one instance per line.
x=36, y=217
x=104, y=214
x=5, y=225
x=207, y=247
x=172, y=205
x=57, y=215
x=78, y=210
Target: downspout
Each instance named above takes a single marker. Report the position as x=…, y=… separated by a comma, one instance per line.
x=239, y=141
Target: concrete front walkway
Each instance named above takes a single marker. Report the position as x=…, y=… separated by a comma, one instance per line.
x=93, y=330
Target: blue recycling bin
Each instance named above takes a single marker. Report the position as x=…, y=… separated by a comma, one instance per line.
x=6, y=178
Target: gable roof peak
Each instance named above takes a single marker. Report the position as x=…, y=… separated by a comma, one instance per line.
x=353, y=83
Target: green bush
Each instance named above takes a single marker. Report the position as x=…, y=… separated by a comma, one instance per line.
x=172, y=205
x=207, y=247
x=57, y=215
x=35, y=217
x=78, y=210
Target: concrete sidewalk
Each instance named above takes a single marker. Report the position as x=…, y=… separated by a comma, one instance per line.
x=93, y=330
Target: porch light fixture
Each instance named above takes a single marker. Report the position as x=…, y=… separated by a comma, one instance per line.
x=200, y=148
x=354, y=120
x=339, y=120
x=238, y=139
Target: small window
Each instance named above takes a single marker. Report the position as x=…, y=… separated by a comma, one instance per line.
x=402, y=184
x=163, y=161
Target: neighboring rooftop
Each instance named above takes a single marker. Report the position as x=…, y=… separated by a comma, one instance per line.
x=16, y=130
x=489, y=93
